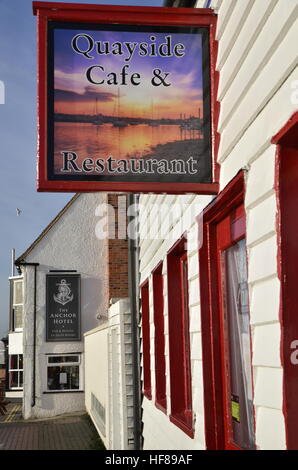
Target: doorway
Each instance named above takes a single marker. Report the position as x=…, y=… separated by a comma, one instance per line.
x=287, y=188
x=226, y=339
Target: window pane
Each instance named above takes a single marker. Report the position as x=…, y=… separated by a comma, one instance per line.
x=74, y=377
x=13, y=379
x=21, y=379
x=63, y=378
x=14, y=361
x=18, y=316
x=20, y=361
x=18, y=292
x=62, y=359
x=239, y=346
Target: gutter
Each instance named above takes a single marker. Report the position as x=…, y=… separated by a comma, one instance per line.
x=179, y=3
x=18, y=264
x=133, y=280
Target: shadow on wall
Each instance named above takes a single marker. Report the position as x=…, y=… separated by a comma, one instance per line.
x=95, y=302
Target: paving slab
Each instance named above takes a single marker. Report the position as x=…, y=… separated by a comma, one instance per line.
x=75, y=432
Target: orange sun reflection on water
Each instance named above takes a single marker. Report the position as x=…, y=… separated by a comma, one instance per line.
x=102, y=141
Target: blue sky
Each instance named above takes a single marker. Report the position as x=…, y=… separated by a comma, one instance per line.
x=18, y=138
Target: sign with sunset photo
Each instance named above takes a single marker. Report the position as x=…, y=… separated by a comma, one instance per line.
x=128, y=103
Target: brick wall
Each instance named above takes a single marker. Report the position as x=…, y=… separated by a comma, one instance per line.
x=117, y=249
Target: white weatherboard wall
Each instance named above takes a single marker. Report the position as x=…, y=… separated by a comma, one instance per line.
x=257, y=62
x=70, y=244
x=108, y=379
x=97, y=379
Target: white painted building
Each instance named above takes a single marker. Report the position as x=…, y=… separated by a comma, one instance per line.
x=92, y=371
x=258, y=83
x=109, y=381
x=66, y=247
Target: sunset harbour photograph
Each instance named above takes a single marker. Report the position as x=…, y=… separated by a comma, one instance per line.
x=124, y=95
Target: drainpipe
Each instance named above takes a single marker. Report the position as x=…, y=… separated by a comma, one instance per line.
x=18, y=264
x=133, y=270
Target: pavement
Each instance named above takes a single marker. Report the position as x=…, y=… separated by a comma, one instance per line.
x=14, y=413
x=65, y=432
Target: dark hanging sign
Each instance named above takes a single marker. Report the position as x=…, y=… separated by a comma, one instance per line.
x=125, y=99
x=63, y=315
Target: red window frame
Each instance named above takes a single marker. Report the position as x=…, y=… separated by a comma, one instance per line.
x=159, y=339
x=286, y=141
x=179, y=339
x=147, y=389
x=213, y=346
x=230, y=230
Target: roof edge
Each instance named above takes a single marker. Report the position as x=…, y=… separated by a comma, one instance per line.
x=47, y=229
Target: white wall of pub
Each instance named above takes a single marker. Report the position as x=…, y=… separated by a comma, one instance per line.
x=257, y=62
x=69, y=244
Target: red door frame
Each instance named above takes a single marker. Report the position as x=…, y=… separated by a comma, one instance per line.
x=226, y=202
x=229, y=231
x=285, y=180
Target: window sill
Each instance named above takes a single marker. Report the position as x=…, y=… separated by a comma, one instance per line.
x=147, y=394
x=182, y=425
x=63, y=391
x=162, y=407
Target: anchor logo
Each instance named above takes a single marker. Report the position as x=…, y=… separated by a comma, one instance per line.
x=64, y=294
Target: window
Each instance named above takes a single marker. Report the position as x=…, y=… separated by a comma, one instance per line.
x=159, y=339
x=64, y=373
x=146, y=339
x=179, y=339
x=16, y=371
x=17, y=306
x=238, y=367
x=227, y=368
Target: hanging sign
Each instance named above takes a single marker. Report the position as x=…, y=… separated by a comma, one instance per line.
x=125, y=99
x=63, y=316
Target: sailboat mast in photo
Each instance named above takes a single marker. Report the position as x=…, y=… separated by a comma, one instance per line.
x=119, y=122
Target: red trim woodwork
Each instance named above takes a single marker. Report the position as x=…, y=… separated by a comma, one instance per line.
x=59, y=8
x=105, y=186
x=159, y=339
x=179, y=339
x=286, y=186
x=146, y=339
x=226, y=203
x=73, y=12
x=288, y=134
x=229, y=231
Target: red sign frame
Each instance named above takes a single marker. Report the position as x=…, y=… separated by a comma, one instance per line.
x=106, y=14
